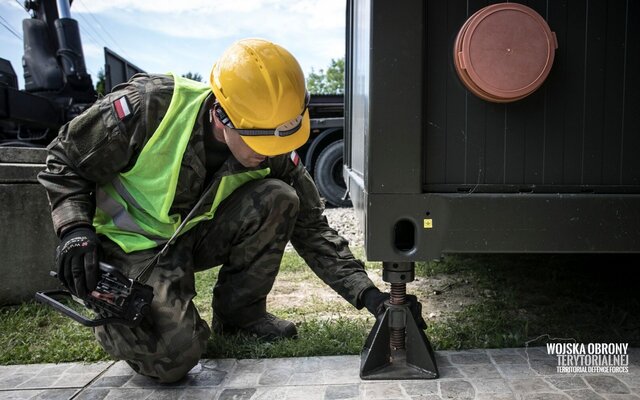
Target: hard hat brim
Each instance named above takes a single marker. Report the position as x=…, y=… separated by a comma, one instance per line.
x=275, y=145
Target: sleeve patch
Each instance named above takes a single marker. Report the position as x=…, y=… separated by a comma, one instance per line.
x=295, y=158
x=122, y=108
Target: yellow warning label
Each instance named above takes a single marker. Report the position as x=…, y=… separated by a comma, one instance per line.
x=428, y=223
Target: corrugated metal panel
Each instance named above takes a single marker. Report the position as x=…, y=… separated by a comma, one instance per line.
x=579, y=132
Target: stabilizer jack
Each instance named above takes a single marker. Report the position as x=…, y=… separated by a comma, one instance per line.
x=396, y=347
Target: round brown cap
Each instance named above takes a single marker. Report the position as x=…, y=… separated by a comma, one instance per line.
x=504, y=52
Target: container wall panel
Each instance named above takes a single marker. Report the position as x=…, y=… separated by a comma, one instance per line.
x=576, y=133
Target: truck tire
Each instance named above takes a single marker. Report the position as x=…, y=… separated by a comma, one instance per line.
x=328, y=175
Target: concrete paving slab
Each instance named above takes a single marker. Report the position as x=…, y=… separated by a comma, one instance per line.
x=496, y=374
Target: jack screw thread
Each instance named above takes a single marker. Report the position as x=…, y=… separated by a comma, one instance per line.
x=398, y=296
x=398, y=293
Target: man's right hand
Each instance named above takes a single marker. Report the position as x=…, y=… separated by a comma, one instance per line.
x=374, y=299
x=77, y=260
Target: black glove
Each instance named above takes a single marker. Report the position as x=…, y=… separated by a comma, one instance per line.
x=374, y=299
x=77, y=260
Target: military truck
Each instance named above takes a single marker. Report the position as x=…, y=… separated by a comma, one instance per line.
x=322, y=155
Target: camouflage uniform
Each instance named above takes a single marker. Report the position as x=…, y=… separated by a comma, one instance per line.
x=247, y=236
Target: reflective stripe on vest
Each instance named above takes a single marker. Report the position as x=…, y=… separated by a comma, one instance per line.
x=133, y=210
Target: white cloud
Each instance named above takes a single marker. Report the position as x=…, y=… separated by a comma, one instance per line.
x=170, y=6
x=215, y=8
x=220, y=19
x=159, y=36
x=94, y=58
x=313, y=30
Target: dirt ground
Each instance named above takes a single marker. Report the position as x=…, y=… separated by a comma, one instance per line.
x=440, y=295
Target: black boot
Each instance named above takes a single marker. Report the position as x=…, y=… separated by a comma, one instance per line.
x=268, y=327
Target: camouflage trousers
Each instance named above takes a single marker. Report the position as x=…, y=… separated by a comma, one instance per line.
x=247, y=236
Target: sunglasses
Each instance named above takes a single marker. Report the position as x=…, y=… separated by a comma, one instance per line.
x=286, y=129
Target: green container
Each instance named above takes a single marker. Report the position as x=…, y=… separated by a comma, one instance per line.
x=432, y=168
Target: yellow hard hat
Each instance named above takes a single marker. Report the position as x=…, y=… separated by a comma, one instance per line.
x=260, y=87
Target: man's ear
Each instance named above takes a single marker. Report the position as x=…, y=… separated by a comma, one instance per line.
x=218, y=126
x=213, y=118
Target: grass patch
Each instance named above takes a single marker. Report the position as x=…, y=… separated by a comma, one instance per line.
x=33, y=333
x=590, y=298
x=483, y=325
x=336, y=337
x=324, y=327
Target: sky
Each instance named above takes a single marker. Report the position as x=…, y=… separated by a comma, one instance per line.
x=188, y=36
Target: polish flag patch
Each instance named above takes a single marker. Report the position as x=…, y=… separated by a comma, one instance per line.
x=295, y=158
x=122, y=108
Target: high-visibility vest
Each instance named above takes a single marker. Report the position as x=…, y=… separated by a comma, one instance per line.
x=133, y=209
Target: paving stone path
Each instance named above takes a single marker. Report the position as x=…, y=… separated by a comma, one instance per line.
x=500, y=374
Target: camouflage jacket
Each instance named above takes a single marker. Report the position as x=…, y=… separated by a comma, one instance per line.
x=93, y=148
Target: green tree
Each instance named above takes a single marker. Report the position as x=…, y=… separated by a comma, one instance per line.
x=100, y=85
x=329, y=82
x=193, y=76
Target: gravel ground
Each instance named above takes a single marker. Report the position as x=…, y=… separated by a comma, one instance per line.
x=345, y=222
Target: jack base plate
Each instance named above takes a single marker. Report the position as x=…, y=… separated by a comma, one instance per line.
x=379, y=361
